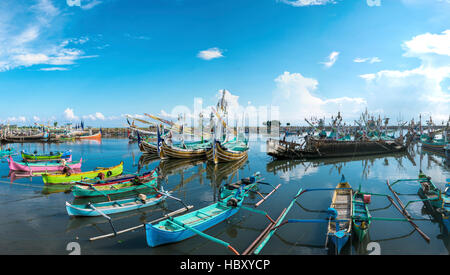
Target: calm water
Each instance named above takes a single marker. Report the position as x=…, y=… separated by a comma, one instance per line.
x=33, y=219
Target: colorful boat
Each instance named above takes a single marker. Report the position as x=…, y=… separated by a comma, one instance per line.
x=361, y=217
x=112, y=207
x=43, y=157
x=232, y=150
x=185, y=150
x=185, y=226
x=69, y=177
x=429, y=191
x=148, y=147
x=47, y=166
x=95, y=136
x=340, y=226
x=434, y=144
x=137, y=178
x=95, y=190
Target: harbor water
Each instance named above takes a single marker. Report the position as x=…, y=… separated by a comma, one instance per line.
x=34, y=218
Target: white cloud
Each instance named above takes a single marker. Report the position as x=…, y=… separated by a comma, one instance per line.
x=36, y=118
x=210, y=54
x=296, y=100
x=371, y=60
x=373, y=3
x=25, y=40
x=90, y=4
x=69, y=114
x=54, y=69
x=303, y=3
x=332, y=58
x=420, y=87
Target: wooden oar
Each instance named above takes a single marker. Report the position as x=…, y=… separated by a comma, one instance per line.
x=95, y=189
x=104, y=215
x=176, y=212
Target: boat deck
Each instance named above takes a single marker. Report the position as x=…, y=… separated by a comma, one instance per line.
x=343, y=206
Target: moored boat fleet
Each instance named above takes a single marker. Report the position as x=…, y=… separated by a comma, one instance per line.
x=106, y=191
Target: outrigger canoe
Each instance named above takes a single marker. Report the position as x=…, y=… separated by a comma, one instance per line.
x=47, y=166
x=70, y=177
x=113, y=207
x=44, y=157
x=360, y=215
x=94, y=190
x=339, y=228
x=185, y=226
x=145, y=177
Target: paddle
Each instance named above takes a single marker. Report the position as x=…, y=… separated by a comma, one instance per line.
x=104, y=215
x=93, y=187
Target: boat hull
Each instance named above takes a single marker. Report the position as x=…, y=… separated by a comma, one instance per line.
x=112, y=207
x=66, y=178
x=219, y=153
x=156, y=237
x=41, y=167
x=180, y=153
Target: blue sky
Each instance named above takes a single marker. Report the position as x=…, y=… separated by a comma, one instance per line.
x=96, y=60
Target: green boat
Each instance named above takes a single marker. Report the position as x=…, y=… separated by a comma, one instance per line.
x=69, y=177
x=360, y=215
x=43, y=157
x=94, y=190
x=429, y=191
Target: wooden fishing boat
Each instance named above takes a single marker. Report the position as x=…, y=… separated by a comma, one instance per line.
x=227, y=151
x=185, y=226
x=97, y=136
x=361, y=217
x=116, y=206
x=49, y=166
x=185, y=150
x=447, y=151
x=25, y=138
x=429, y=191
x=436, y=145
x=340, y=226
x=68, y=176
x=320, y=149
x=148, y=147
x=136, y=178
x=50, y=156
x=94, y=190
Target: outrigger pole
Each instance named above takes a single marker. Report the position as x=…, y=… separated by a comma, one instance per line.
x=404, y=212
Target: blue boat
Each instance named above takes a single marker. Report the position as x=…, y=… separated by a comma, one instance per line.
x=112, y=207
x=340, y=225
x=183, y=227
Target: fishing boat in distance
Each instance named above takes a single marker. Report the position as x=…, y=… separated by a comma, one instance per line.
x=69, y=177
x=46, y=166
x=97, y=136
x=43, y=157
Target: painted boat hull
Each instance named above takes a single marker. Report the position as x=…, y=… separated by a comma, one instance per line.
x=112, y=207
x=41, y=167
x=164, y=232
x=147, y=147
x=156, y=237
x=176, y=152
x=97, y=136
x=111, y=189
x=342, y=202
x=60, y=155
x=64, y=178
x=219, y=153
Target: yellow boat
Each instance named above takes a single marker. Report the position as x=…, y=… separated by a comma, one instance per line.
x=68, y=176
